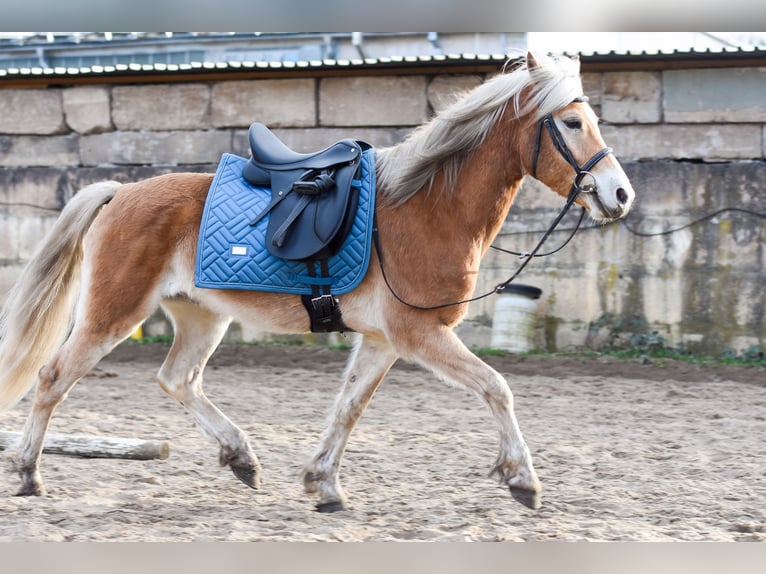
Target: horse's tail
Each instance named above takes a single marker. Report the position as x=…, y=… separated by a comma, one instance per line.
x=37, y=314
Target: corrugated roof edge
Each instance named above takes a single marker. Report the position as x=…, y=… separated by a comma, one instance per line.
x=588, y=58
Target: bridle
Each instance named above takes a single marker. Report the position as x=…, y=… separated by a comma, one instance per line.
x=561, y=146
x=581, y=172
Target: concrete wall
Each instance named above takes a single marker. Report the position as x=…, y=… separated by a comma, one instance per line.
x=691, y=140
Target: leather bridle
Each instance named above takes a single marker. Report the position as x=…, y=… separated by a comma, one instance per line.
x=561, y=146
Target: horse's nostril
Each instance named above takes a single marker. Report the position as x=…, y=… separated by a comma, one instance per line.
x=622, y=196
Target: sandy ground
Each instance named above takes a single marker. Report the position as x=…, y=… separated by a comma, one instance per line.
x=625, y=451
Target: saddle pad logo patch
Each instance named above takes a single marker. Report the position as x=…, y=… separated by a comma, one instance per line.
x=231, y=253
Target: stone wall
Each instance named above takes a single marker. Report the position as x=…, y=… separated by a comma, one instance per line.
x=691, y=140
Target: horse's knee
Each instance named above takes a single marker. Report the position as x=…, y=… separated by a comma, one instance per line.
x=496, y=392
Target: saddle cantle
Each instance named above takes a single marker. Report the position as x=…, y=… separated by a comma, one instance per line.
x=313, y=196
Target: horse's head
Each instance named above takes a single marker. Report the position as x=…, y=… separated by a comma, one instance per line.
x=569, y=155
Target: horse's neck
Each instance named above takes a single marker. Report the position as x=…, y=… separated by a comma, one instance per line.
x=484, y=192
x=489, y=178
x=442, y=235
x=433, y=243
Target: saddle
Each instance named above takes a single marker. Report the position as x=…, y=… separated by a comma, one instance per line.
x=314, y=196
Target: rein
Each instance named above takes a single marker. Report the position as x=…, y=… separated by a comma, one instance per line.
x=559, y=143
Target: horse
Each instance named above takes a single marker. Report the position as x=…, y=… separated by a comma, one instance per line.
x=117, y=252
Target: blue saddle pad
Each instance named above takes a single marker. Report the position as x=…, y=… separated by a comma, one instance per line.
x=231, y=253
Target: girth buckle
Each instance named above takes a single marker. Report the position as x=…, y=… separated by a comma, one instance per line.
x=324, y=305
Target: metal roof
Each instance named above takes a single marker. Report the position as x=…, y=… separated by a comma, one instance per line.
x=646, y=59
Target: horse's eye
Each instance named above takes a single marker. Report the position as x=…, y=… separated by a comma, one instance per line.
x=573, y=123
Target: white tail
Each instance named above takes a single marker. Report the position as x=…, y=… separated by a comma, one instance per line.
x=37, y=313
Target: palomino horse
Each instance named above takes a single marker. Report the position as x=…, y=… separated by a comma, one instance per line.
x=118, y=251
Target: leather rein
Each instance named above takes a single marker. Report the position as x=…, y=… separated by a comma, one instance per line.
x=577, y=188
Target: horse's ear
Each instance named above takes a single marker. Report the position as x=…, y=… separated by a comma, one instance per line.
x=532, y=62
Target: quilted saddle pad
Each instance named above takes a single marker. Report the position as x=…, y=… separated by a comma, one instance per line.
x=231, y=253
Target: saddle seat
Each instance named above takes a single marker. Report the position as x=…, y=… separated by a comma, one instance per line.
x=313, y=195
x=269, y=153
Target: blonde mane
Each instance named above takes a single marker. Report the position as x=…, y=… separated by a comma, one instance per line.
x=447, y=139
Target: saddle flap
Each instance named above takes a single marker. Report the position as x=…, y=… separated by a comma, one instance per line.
x=301, y=226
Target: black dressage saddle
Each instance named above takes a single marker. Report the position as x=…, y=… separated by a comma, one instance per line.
x=313, y=196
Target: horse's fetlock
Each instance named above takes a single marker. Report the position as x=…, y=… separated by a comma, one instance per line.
x=310, y=480
x=229, y=456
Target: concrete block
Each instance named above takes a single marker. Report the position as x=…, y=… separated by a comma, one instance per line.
x=738, y=243
x=569, y=336
x=592, y=86
x=663, y=298
x=314, y=139
x=161, y=107
x=535, y=195
x=77, y=179
x=31, y=112
x=474, y=335
x=17, y=151
x=572, y=295
x=706, y=142
x=447, y=89
x=9, y=274
x=9, y=237
x=715, y=95
x=749, y=305
x=88, y=109
x=373, y=101
x=32, y=231
x=668, y=189
x=631, y=97
x=275, y=103
x=171, y=148
x=36, y=186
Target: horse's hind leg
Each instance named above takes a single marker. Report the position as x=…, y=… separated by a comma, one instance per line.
x=366, y=368
x=80, y=353
x=198, y=332
x=446, y=355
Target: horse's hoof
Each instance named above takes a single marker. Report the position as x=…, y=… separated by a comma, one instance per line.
x=528, y=498
x=250, y=475
x=30, y=489
x=327, y=507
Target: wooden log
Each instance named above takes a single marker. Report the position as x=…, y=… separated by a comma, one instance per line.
x=95, y=446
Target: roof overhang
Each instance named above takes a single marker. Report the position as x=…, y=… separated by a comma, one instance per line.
x=430, y=65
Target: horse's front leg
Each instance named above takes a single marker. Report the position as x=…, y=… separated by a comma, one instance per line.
x=197, y=334
x=446, y=355
x=369, y=363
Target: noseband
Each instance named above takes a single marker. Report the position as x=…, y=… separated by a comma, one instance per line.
x=561, y=145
